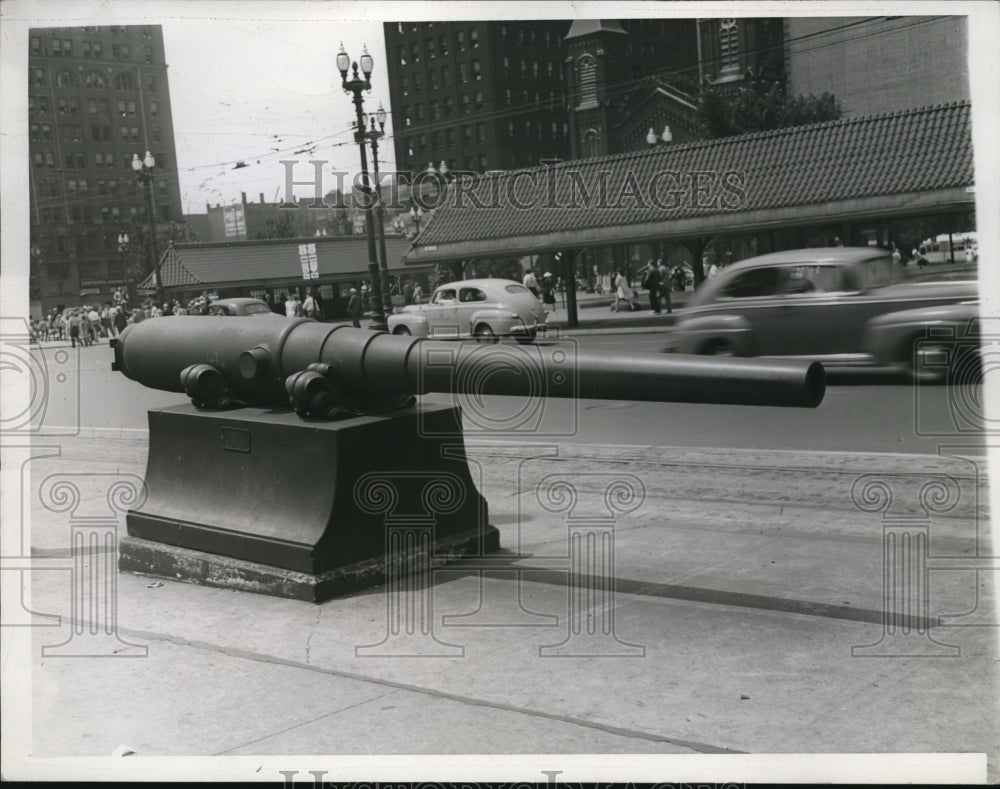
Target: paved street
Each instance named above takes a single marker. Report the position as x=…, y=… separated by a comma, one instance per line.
x=747, y=613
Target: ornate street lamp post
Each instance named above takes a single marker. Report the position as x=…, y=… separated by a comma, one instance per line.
x=126, y=272
x=374, y=135
x=144, y=175
x=355, y=86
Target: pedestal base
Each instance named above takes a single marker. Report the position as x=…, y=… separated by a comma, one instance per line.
x=145, y=557
x=261, y=500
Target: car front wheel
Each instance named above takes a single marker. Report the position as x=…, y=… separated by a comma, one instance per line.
x=484, y=333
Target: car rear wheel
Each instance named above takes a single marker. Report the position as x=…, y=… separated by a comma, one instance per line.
x=483, y=333
x=401, y=330
x=719, y=348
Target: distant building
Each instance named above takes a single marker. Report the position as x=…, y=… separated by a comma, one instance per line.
x=97, y=96
x=487, y=96
x=881, y=64
x=246, y=220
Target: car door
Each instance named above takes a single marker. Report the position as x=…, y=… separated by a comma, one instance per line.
x=470, y=300
x=442, y=314
x=781, y=309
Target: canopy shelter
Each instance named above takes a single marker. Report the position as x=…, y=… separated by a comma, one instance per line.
x=906, y=163
x=242, y=267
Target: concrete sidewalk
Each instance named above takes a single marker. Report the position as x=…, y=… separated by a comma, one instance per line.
x=728, y=602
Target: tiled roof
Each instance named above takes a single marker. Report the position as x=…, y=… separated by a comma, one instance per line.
x=272, y=260
x=923, y=150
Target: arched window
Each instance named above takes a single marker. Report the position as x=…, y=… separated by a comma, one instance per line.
x=586, y=69
x=95, y=80
x=589, y=145
x=65, y=79
x=729, y=45
x=124, y=81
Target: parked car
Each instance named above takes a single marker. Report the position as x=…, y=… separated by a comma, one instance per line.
x=929, y=343
x=239, y=306
x=807, y=303
x=486, y=309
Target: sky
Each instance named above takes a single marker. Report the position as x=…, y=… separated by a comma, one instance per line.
x=258, y=91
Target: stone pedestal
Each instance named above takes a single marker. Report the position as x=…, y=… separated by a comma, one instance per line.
x=260, y=500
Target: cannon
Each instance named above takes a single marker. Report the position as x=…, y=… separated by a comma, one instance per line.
x=303, y=451
x=323, y=371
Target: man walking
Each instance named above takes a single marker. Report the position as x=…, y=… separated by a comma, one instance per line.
x=354, y=308
x=651, y=283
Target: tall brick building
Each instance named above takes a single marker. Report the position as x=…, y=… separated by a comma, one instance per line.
x=879, y=64
x=489, y=95
x=97, y=96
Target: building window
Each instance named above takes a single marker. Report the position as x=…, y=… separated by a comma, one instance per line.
x=467, y=134
x=479, y=99
x=482, y=161
x=474, y=37
x=590, y=143
x=534, y=68
x=429, y=48
x=415, y=52
x=476, y=72
x=481, y=132
x=98, y=49
x=103, y=107
x=401, y=55
x=151, y=82
x=508, y=96
x=36, y=45
x=460, y=41
x=445, y=78
x=157, y=134
x=443, y=40
x=135, y=133
x=418, y=83
x=95, y=80
x=38, y=78
x=587, y=74
x=466, y=106
x=550, y=68
x=404, y=83
x=463, y=72
x=729, y=45
x=124, y=81
x=450, y=137
x=39, y=159
x=448, y=106
x=65, y=79
x=68, y=106
x=435, y=111
x=154, y=108
x=147, y=54
x=503, y=33
x=433, y=79
x=46, y=135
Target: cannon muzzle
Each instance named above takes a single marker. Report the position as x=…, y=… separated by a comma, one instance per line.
x=269, y=361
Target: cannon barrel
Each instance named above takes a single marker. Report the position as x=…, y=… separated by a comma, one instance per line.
x=257, y=356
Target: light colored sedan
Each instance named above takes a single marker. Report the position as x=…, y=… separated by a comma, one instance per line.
x=485, y=309
x=806, y=303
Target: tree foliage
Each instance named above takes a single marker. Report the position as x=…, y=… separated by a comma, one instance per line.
x=759, y=105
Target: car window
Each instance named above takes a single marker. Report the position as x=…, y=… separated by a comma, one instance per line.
x=218, y=309
x=445, y=296
x=755, y=282
x=821, y=279
x=256, y=309
x=517, y=289
x=471, y=294
x=878, y=271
